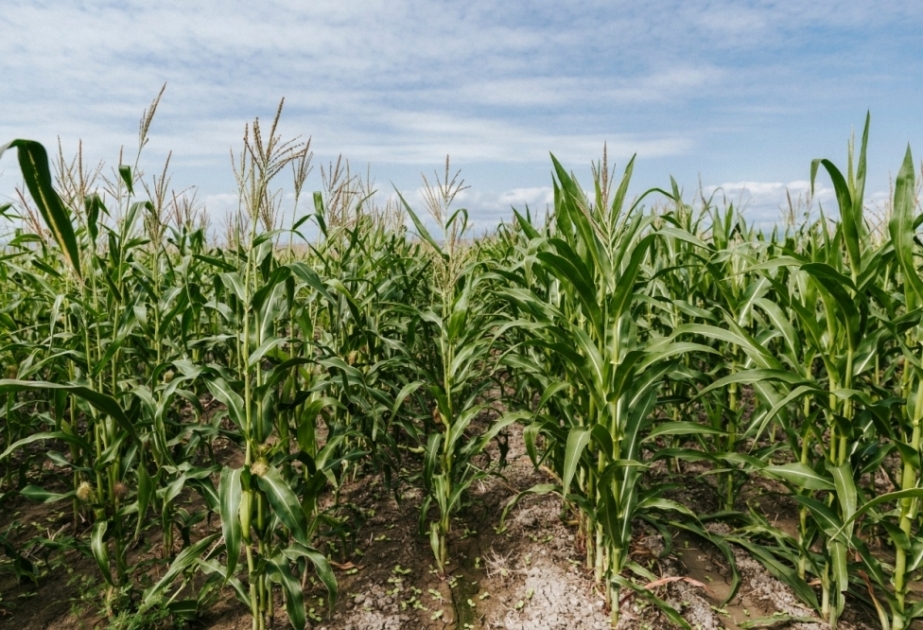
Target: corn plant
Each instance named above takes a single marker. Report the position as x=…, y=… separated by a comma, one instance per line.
x=116, y=310
x=456, y=369
x=174, y=380
x=901, y=522
x=267, y=505
x=100, y=481
x=591, y=269
x=839, y=318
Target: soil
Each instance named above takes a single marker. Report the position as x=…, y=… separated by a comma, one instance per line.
x=527, y=576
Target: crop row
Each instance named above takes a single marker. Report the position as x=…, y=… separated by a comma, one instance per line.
x=627, y=337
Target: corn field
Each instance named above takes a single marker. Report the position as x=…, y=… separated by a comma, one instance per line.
x=219, y=392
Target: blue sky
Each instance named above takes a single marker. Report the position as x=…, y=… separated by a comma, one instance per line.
x=738, y=95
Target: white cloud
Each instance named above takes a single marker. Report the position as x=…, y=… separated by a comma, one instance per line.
x=765, y=203
x=557, y=91
x=536, y=197
x=221, y=205
x=423, y=138
x=494, y=208
x=500, y=84
x=486, y=210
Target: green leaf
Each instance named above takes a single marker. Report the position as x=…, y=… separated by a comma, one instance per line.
x=568, y=268
x=285, y=504
x=495, y=428
x=800, y=475
x=145, y=493
x=209, y=567
x=669, y=612
x=682, y=428
x=229, y=494
x=756, y=351
x=682, y=235
x=662, y=350
x=780, y=571
x=431, y=458
x=912, y=493
x=223, y=392
x=93, y=205
x=127, y=178
x=845, y=201
x=40, y=495
x=267, y=346
x=421, y=229
x=323, y=569
x=754, y=376
x=461, y=423
x=100, y=550
x=100, y=401
x=656, y=503
x=525, y=225
x=780, y=320
x=577, y=439
x=831, y=282
x=825, y=518
x=216, y=262
x=33, y=162
x=186, y=559
x=53, y=435
x=621, y=297
x=406, y=391
x=294, y=596
x=902, y=229
x=837, y=551
x=685, y=454
x=846, y=493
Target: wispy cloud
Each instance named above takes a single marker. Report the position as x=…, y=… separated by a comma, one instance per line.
x=722, y=85
x=765, y=203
